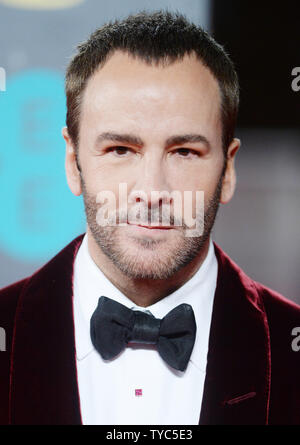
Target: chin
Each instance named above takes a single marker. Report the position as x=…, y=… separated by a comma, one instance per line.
x=138, y=256
x=144, y=258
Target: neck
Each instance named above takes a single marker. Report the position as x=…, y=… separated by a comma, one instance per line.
x=144, y=292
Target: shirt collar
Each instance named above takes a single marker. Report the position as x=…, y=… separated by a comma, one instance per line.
x=90, y=284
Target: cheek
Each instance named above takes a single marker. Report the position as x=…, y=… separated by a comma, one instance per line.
x=203, y=186
x=96, y=181
x=198, y=180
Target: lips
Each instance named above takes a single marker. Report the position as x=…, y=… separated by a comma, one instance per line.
x=155, y=227
x=151, y=227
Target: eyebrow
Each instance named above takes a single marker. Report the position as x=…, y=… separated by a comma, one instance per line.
x=117, y=137
x=187, y=138
x=135, y=140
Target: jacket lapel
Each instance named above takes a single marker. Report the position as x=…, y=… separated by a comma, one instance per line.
x=43, y=367
x=237, y=383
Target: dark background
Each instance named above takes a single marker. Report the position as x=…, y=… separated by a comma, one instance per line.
x=263, y=39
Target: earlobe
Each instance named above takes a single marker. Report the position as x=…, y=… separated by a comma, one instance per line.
x=72, y=172
x=229, y=179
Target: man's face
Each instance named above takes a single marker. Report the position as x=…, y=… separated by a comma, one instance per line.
x=130, y=115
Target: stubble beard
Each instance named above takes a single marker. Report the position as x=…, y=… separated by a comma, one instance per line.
x=148, y=258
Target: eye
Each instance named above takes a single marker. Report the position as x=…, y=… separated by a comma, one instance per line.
x=186, y=152
x=119, y=150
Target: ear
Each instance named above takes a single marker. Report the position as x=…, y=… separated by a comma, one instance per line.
x=72, y=172
x=229, y=180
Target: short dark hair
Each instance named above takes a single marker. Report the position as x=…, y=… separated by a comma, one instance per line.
x=154, y=37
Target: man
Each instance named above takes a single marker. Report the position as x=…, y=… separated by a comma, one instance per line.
x=181, y=335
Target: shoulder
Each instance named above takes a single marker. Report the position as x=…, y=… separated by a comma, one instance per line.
x=59, y=267
x=9, y=297
x=282, y=314
x=283, y=317
x=275, y=304
x=278, y=306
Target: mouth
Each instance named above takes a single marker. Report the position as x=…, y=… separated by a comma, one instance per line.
x=146, y=228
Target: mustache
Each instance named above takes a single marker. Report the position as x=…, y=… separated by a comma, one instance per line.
x=142, y=214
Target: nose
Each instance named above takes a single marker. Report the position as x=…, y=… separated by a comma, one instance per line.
x=151, y=185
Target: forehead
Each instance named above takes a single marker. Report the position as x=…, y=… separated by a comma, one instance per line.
x=183, y=93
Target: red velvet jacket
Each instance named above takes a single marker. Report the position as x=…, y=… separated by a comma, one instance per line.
x=253, y=374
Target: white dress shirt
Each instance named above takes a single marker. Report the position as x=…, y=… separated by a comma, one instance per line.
x=107, y=388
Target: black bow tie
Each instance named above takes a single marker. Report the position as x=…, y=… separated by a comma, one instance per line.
x=113, y=325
